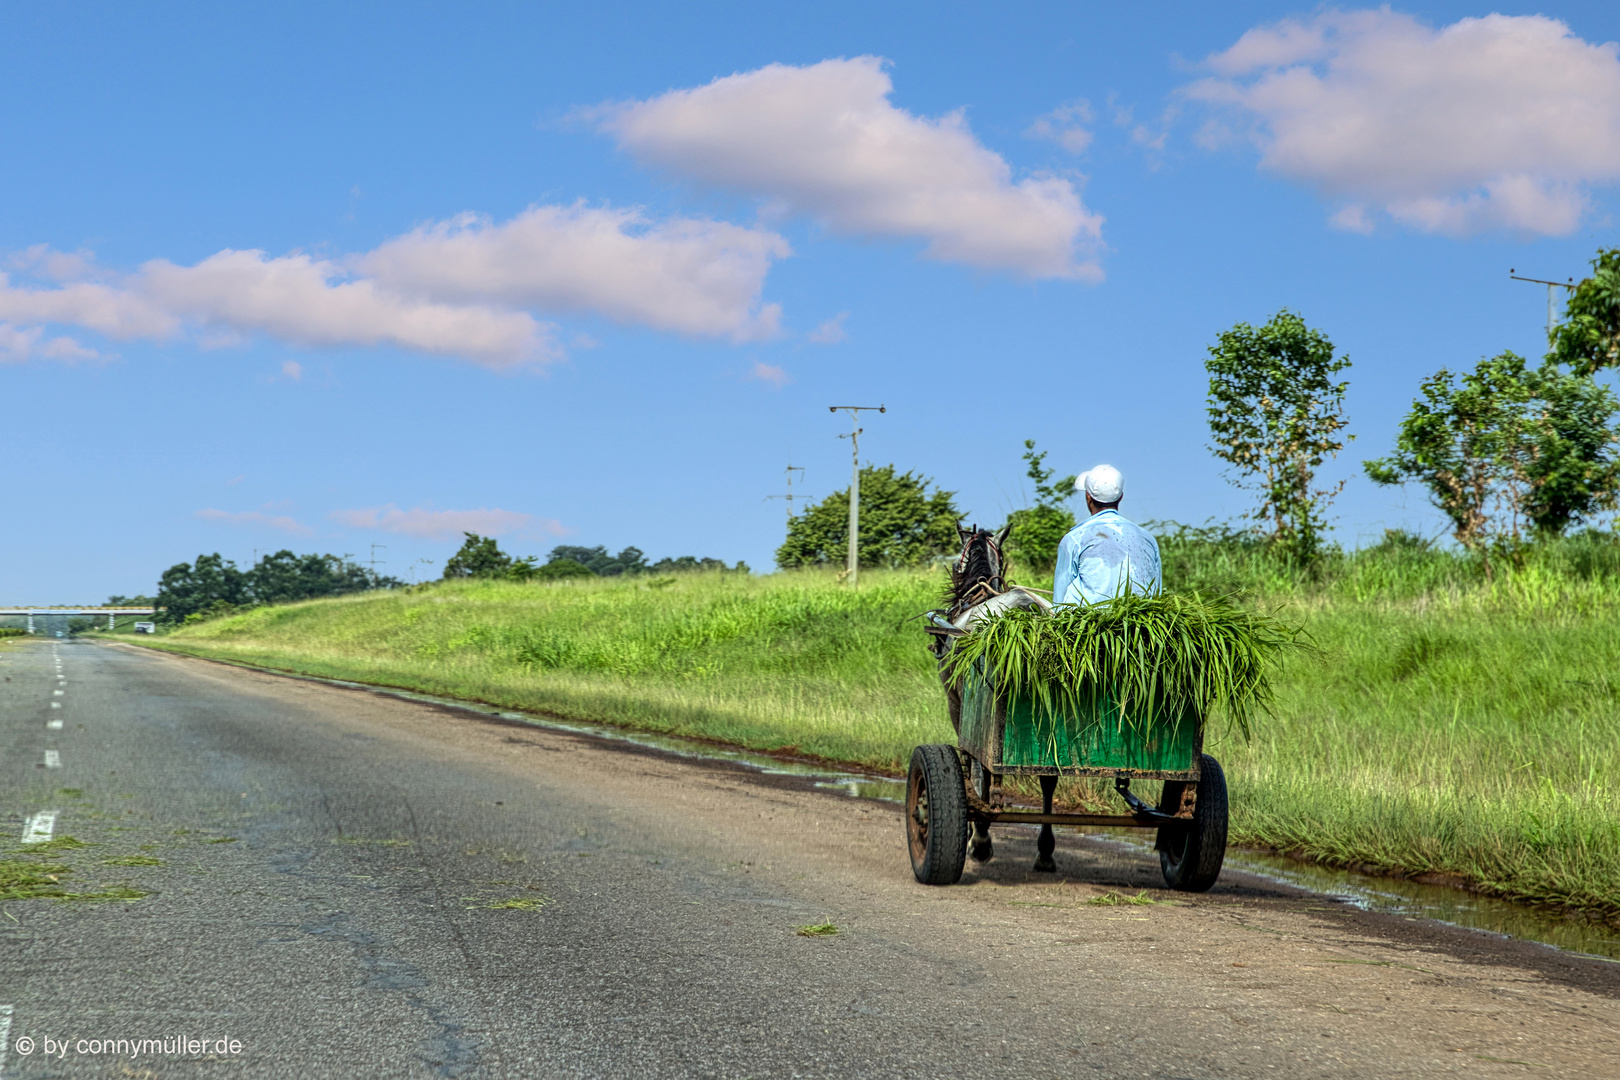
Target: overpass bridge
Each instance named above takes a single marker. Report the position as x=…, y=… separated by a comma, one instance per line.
x=112, y=613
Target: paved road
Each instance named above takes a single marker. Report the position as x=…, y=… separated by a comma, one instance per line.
x=357, y=886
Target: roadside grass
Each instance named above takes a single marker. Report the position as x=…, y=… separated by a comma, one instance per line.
x=1457, y=725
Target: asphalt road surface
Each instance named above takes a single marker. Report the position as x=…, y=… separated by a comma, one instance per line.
x=340, y=883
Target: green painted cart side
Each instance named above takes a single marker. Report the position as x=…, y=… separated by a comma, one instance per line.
x=1008, y=733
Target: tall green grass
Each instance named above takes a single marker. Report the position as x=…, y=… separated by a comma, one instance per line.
x=1453, y=725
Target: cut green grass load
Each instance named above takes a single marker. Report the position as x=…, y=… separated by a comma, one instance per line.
x=1453, y=725
x=1130, y=660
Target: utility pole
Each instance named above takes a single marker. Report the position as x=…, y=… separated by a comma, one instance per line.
x=1551, y=285
x=852, y=562
x=374, y=548
x=789, y=497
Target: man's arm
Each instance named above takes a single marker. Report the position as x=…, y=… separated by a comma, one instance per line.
x=1063, y=573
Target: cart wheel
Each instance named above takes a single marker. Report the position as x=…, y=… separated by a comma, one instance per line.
x=936, y=815
x=1191, y=856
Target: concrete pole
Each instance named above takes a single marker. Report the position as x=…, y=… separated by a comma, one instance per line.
x=30, y=622
x=110, y=618
x=852, y=559
x=852, y=562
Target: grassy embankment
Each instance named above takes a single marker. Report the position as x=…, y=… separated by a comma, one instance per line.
x=1457, y=726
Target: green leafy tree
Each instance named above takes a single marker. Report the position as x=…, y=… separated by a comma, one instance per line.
x=689, y=563
x=284, y=578
x=599, y=562
x=1588, y=340
x=529, y=569
x=187, y=589
x=479, y=557
x=1037, y=530
x=1504, y=449
x=902, y=524
x=1570, y=467
x=1275, y=412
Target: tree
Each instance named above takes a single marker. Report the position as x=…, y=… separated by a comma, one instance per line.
x=284, y=578
x=1275, y=414
x=902, y=524
x=689, y=563
x=599, y=562
x=213, y=586
x=1572, y=471
x=191, y=588
x=1588, y=340
x=556, y=568
x=1507, y=448
x=479, y=557
x=1037, y=530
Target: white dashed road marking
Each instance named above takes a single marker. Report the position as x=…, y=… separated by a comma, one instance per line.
x=58, y=693
x=56, y=704
x=54, y=725
x=53, y=760
x=39, y=828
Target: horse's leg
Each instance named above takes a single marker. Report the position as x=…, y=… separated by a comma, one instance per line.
x=980, y=848
x=1047, y=842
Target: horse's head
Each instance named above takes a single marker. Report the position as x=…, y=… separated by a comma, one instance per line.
x=978, y=572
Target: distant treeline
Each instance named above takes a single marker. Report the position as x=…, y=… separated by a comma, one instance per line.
x=482, y=557
x=214, y=585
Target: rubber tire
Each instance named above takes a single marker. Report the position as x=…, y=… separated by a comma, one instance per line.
x=1191, y=858
x=936, y=815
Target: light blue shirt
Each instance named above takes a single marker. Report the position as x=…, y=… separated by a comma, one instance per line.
x=1101, y=557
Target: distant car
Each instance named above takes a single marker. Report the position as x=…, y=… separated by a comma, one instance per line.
x=146, y=628
x=59, y=633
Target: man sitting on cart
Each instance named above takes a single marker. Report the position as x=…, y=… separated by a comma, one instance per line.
x=1107, y=553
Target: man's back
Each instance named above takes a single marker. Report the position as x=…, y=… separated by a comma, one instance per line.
x=1101, y=557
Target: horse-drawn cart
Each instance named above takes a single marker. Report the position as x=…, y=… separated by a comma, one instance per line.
x=954, y=794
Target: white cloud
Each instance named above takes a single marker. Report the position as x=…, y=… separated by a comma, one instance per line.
x=107, y=309
x=302, y=300
x=466, y=287
x=293, y=370
x=688, y=275
x=831, y=332
x=1494, y=122
x=47, y=262
x=1065, y=126
x=443, y=524
x=27, y=343
x=826, y=141
x=769, y=373
x=255, y=518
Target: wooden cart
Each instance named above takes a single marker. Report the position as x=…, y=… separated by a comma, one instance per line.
x=954, y=794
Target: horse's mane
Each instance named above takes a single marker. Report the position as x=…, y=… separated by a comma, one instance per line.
x=980, y=571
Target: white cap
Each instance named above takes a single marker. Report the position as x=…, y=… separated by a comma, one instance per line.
x=1103, y=483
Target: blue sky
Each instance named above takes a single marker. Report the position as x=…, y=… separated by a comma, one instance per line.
x=243, y=310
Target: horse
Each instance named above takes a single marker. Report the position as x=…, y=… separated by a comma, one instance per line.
x=978, y=590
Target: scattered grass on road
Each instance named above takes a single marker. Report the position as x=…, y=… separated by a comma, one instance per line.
x=820, y=929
